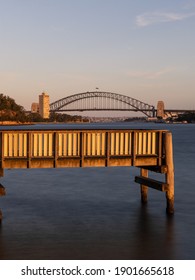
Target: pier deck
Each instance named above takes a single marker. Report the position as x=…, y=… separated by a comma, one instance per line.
x=150, y=150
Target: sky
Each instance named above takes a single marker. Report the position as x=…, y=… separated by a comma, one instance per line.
x=144, y=49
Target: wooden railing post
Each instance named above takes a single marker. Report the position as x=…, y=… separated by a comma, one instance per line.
x=81, y=149
x=29, y=149
x=133, y=148
x=55, y=149
x=170, y=172
x=107, y=147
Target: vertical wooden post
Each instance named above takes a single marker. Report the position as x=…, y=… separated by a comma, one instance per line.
x=107, y=148
x=29, y=149
x=81, y=149
x=170, y=172
x=133, y=148
x=55, y=149
x=144, y=189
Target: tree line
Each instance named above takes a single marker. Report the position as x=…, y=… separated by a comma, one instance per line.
x=11, y=111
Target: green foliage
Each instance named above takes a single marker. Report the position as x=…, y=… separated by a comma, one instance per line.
x=55, y=117
x=189, y=117
x=35, y=117
x=10, y=111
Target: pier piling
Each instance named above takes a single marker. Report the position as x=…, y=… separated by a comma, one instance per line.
x=170, y=173
x=143, y=188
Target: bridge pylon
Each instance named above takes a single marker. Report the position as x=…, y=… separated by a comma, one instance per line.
x=160, y=109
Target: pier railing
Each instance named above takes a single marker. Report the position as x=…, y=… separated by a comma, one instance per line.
x=150, y=150
x=39, y=149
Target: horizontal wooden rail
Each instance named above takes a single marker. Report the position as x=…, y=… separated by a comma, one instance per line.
x=158, y=185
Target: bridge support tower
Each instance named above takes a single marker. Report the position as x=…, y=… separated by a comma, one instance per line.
x=160, y=109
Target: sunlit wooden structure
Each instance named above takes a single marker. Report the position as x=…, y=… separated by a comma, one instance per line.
x=150, y=150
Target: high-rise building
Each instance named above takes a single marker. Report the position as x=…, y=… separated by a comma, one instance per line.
x=44, y=105
x=35, y=107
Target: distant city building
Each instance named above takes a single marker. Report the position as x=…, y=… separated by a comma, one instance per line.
x=35, y=107
x=44, y=105
x=160, y=109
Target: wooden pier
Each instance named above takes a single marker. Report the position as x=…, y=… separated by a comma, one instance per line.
x=149, y=150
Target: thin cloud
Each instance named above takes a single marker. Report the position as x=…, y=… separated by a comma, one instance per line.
x=189, y=5
x=149, y=75
x=147, y=19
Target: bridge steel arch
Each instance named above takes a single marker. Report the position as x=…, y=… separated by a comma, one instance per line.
x=136, y=105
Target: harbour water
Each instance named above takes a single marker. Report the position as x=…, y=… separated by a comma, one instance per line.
x=95, y=213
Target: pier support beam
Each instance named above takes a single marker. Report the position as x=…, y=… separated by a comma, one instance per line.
x=143, y=188
x=170, y=173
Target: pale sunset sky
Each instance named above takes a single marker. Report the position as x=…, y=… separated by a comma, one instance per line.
x=144, y=49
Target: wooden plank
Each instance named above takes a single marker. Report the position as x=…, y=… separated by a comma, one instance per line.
x=15, y=145
x=88, y=144
x=158, y=169
x=20, y=145
x=134, y=147
x=82, y=148
x=116, y=143
x=93, y=144
x=74, y=144
x=98, y=144
x=107, y=148
x=103, y=144
x=45, y=144
x=25, y=144
x=5, y=145
x=121, y=146
x=127, y=140
x=40, y=145
x=50, y=151
x=56, y=149
x=28, y=148
x=10, y=143
x=60, y=144
x=154, y=143
x=112, y=143
x=70, y=144
x=157, y=185
x=65, y=144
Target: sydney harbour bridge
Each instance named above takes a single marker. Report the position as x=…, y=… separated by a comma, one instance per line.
x=108, y=101
x=101, y=101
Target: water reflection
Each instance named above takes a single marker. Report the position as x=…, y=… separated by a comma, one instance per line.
x=154, y=237
x=2, y=244
x=96, y=235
